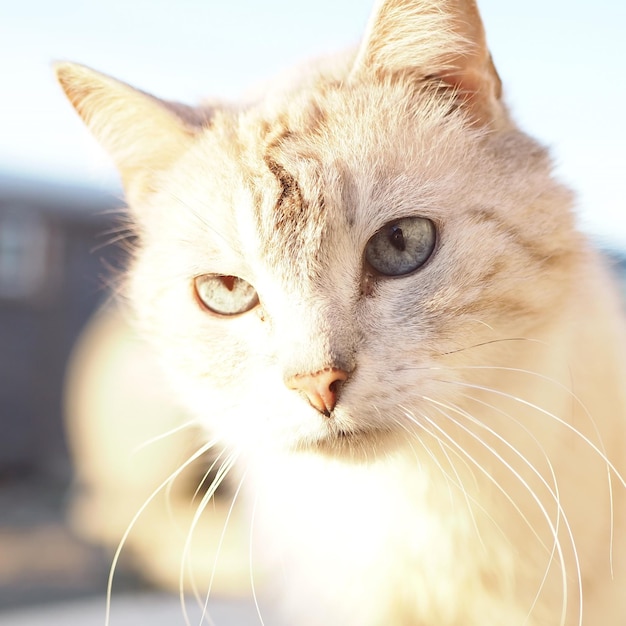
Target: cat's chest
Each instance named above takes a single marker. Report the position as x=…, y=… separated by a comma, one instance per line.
x=340, y=506
x=356, y=534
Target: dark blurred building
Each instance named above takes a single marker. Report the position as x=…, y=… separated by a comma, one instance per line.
x=57, y=258
x=55, y=263
x=618, y=261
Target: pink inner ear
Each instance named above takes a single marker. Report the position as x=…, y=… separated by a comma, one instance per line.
x=479, y=76
x=478, y=85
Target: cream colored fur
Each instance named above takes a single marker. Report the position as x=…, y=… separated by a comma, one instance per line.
x=470, y=472
x=118, y=410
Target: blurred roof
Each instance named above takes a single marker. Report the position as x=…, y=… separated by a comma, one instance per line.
x=70, y=199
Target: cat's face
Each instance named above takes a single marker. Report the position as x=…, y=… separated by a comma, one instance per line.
x=301, y=204
x=378, y=226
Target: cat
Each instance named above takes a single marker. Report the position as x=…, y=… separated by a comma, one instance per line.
x=368, y=287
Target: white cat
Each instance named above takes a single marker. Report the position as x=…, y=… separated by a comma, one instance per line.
x=368, y=287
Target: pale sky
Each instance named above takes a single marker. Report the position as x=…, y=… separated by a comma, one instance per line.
x=561, y=62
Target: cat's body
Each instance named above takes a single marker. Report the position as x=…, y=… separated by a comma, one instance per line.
x=423, y=391
x=395, y=540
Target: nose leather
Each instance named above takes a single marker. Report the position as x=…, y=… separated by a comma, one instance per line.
x=321, y=388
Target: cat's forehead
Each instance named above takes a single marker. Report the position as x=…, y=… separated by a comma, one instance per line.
x=290, y=195
x=323, y=168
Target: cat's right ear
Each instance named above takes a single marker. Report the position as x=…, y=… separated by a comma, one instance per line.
x=143, y=134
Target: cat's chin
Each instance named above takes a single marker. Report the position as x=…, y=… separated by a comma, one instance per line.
x=362, y=445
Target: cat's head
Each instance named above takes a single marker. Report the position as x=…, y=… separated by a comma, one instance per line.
x=309, y=263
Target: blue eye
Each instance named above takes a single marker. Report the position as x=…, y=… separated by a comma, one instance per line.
x=402, y=246
x=225, y=295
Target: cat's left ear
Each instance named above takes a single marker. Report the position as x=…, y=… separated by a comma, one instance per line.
x=440, y=40
x=143, y=135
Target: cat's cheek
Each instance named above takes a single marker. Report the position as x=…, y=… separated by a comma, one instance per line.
x=253, y=411
x=290, y=422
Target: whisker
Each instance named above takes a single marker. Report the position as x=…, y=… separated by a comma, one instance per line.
x=250, y=562
x=479, y=467
x=202, y=450
x=429, y=452
x=222, y=536
x=208, y=473
x=457, y=482
x=223, y=471
x=192, y=526
x=198, y=216
x=594, y=424
x=165, y=435
x=491, y=342
x=170, y=486
x=120, y=236
x=555, y=495
x=558, y=419
x=551, y=525
x=476, y=503
x=465, y=494
x=446, y=449
x=589, y=416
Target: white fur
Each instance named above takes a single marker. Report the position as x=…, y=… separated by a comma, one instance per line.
x=480, y=479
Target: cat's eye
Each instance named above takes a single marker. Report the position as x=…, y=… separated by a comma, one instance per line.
x=225, y=295
x=401, y=246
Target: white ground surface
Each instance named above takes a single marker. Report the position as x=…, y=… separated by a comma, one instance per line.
x=136, y=610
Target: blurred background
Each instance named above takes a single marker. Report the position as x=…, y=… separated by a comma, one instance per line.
x=561, y=65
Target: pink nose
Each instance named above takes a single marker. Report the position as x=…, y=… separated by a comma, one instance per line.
x=320, y=387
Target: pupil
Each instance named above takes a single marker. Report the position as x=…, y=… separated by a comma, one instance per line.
x=396, y=238
x=228, y=282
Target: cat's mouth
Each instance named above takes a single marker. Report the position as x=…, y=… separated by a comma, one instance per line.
x=348, y=442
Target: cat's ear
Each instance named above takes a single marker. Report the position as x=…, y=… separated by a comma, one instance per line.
x=144, y=135
x=440, y=40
